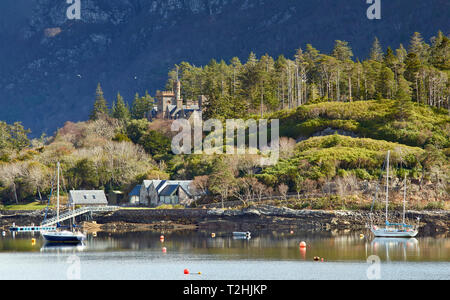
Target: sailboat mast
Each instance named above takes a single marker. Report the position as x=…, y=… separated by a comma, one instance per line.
x=57, y=196
x=387, y=185
x=404, y=202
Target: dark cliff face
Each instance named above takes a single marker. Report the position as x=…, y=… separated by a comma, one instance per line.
x=49, y=65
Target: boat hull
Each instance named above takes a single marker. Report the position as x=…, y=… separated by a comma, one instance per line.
x=394, y=234
x=63, y=238
x=241, y=235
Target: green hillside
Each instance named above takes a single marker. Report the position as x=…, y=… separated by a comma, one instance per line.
x=322, y=158
x=423, y=125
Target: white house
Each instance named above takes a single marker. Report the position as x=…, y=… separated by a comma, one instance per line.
x=87, y=198
x=133, y=196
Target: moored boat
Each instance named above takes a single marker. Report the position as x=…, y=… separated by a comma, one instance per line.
x=63, y=237
x=393, y=230
x=243, y=235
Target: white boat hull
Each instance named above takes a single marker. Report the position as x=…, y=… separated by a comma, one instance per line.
x=394, y=233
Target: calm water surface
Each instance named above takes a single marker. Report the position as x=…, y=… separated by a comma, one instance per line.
x=267, y=255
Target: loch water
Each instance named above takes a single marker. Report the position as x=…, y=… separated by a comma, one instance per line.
x=266, y=255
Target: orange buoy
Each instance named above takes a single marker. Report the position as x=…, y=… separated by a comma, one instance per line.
x=302, y=245
x=161, y=238
x=292, y=232
x=186, y=272
x=213, y=235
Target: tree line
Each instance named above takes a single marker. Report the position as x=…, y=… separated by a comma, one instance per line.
x=260, y=85
x=120, y=109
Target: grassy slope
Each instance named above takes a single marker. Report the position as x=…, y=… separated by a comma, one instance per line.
x=372, y=119
x=376, y=121
x=326, y=157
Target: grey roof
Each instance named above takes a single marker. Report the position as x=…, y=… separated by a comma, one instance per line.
x=169, y=190
x=184, y=184
x=155, y=183
x=136, y=191
x=171, y=108
x=88, y=198
x=160, y=185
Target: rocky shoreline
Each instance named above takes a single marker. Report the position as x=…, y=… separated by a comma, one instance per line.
x=260, y=217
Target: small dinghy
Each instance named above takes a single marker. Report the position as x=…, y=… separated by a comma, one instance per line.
x=242, y=235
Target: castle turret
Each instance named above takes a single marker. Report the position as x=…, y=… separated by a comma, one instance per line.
x=178, y=99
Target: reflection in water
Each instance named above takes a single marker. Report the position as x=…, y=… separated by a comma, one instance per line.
x=265, y=245
x=241, y=238
x=63, y=248
x=397, y=247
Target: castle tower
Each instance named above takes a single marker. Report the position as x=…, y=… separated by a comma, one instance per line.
x=178, y=99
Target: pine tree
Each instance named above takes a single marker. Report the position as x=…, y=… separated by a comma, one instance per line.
x=403, y=97
x=440, y=52
x=386, y=83
x=342, y=50
x=419, y=47
x=401, y=53
x=376, y=53
x=120, y=109
x=100, y=105
x=141, y=106
x=390, y=59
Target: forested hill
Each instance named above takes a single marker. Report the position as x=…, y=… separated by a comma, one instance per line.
x=50, y=66
x=416, y=71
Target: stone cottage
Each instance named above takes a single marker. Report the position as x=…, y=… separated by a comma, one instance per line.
x=154, y=193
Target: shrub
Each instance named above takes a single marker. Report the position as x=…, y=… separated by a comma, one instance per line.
x=436, y=205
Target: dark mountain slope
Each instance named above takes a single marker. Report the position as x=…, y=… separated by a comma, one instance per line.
x=50, y=66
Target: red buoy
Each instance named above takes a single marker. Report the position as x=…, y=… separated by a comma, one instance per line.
x=186, y=272
x=164, y=250
x=302, y=245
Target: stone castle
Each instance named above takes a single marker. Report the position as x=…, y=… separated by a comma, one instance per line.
x=170, y=105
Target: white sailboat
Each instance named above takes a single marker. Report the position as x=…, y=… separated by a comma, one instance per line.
x=391, y=229
x=62, y=236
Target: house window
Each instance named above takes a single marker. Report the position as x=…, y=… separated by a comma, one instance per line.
x=93, y=197
x=85, y=197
